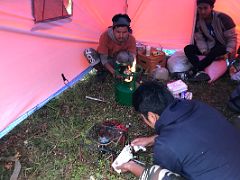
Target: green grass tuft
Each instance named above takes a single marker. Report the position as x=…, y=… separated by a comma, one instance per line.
x=54, y=143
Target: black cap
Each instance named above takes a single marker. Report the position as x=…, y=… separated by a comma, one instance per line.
x=210, y=2
x=121, y=20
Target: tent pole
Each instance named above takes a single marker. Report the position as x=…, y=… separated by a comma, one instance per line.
x=62, y=7
x=194, y=23
x=126, y=6
x=43, y=10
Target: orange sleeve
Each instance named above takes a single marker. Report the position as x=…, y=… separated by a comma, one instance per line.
x=102, y=47
x=132, y=45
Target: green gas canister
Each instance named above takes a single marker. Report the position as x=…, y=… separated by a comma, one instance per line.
x=125, y=84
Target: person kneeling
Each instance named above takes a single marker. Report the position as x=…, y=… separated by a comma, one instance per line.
x=192, y=139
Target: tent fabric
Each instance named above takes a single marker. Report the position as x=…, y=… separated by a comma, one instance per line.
x=33, y=56
x=43, y=9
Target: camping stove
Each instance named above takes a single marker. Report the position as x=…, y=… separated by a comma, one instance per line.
x=109, y=136
x=125, y=83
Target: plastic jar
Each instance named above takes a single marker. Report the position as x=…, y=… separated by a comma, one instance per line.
x=148, y=50
x=160, y=73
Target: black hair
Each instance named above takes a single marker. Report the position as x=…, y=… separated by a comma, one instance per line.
x=118, y=16
x=210, y=2
x=153, y=97
x=121, y=20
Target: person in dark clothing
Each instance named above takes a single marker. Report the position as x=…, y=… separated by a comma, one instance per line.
x=215, y=36
x=192, y=139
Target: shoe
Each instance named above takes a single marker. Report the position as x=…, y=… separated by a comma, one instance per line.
x=199, y=77
x=183, y=75
x=92, y=56
x=189, y=74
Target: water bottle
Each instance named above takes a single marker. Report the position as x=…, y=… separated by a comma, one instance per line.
x=148, y=50
x=160, y=73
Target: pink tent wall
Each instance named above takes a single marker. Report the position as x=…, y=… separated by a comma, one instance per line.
x=33, y=56
x=163, y=22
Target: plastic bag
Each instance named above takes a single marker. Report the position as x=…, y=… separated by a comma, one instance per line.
x=178, y=62
x=160, y=73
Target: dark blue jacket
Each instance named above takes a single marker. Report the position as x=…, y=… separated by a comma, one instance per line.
x=198, y=142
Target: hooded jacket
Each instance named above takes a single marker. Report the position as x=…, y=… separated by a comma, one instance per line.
x=224, y=29
x=109, y=47
x=197, y=141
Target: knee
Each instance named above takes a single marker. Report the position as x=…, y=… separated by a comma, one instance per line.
x=188, y=48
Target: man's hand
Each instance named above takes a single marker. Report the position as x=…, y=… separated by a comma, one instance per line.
x=117, y=76
x=112, y=71
x=109, y=68
x=132, y=167
x=126, y=166
x=144, y=141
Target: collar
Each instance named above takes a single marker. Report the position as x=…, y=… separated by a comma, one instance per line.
x=203, y=25
x=176, y=112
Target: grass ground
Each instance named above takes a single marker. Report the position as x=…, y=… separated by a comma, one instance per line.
x=53, y=143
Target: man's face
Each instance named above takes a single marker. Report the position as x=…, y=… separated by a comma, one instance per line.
x=121, y=33
x=204, y=10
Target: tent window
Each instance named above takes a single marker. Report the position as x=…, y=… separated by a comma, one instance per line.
x=49, y=10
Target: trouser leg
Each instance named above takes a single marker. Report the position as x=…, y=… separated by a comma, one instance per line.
x=99, y=67
x=192, y=52
x=216, y=51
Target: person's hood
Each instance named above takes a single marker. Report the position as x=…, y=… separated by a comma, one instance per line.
x=111, y=35
x=176, y=112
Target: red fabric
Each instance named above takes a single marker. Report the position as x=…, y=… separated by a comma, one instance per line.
x=49, y=9
x=109, y=47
